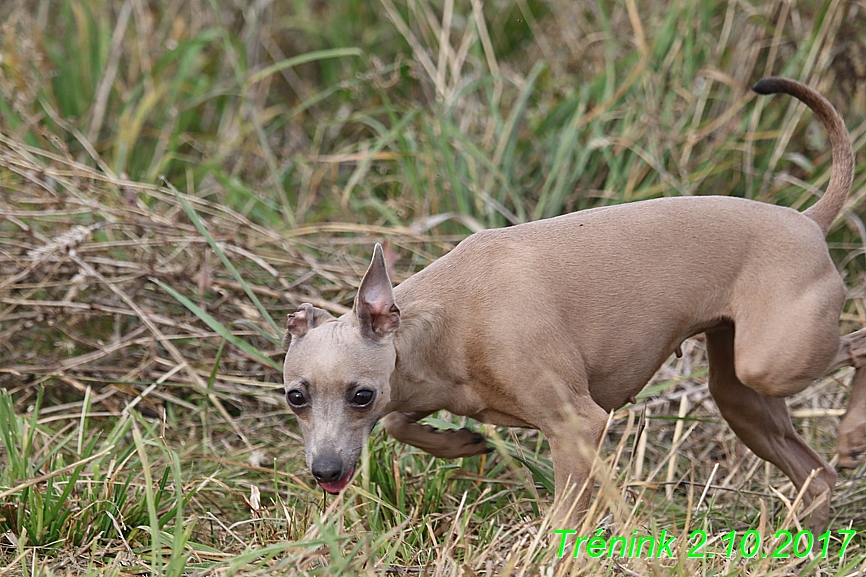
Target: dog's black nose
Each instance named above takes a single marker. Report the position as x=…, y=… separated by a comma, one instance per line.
x=327, y=469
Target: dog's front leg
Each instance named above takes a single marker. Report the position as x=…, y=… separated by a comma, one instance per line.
x=573, y=445
x=446, y=444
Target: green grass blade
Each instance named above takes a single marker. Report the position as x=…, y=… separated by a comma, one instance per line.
x=302, y=59
x=194, y=217
x=218, y=327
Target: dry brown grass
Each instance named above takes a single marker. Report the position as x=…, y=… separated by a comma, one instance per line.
x=79, y=311
x=81, y=250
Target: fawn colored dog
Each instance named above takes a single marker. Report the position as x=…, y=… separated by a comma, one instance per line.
x=552, y=324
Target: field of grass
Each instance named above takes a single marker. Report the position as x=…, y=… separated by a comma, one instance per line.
x=176, y=176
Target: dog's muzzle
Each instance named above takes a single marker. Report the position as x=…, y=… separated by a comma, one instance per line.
x=329, y=472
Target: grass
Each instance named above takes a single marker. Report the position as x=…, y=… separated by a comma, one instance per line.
x=177, y=176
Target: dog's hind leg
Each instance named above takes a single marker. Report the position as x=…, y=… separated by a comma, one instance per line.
x=574, y=441
x=763, y=424
x=852, y=429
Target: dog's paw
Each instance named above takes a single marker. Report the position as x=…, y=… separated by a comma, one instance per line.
x=850, y=460
x=851, y=446
x=457, y=443
x=481, y=442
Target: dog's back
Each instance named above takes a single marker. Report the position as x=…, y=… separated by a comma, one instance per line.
x=639, y=278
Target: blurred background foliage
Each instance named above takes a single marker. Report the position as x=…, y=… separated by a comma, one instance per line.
x=397, y=111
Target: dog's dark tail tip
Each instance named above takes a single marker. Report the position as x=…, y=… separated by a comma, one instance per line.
x=768, y=85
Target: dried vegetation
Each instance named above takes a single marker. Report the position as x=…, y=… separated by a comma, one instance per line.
x=142, y=429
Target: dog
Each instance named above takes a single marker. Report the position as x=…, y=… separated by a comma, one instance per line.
x=555, y=323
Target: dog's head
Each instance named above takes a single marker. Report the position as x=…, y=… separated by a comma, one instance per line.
x=337, y=375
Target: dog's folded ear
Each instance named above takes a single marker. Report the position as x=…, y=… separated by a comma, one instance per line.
x=298, y=323
x=375, y=308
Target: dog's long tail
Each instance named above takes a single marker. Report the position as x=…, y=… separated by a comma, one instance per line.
x=825, y=211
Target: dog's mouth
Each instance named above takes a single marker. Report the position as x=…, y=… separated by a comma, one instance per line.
x=334, y=487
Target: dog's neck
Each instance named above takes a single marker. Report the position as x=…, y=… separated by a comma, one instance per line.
x=425, y=355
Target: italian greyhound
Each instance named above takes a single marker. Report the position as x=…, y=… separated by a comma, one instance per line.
x=553, y=324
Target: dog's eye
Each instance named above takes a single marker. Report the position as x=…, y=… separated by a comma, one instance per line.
x=296, y=398
x=363, y=398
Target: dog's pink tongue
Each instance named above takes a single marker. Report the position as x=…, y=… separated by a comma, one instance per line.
x=335, y=487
